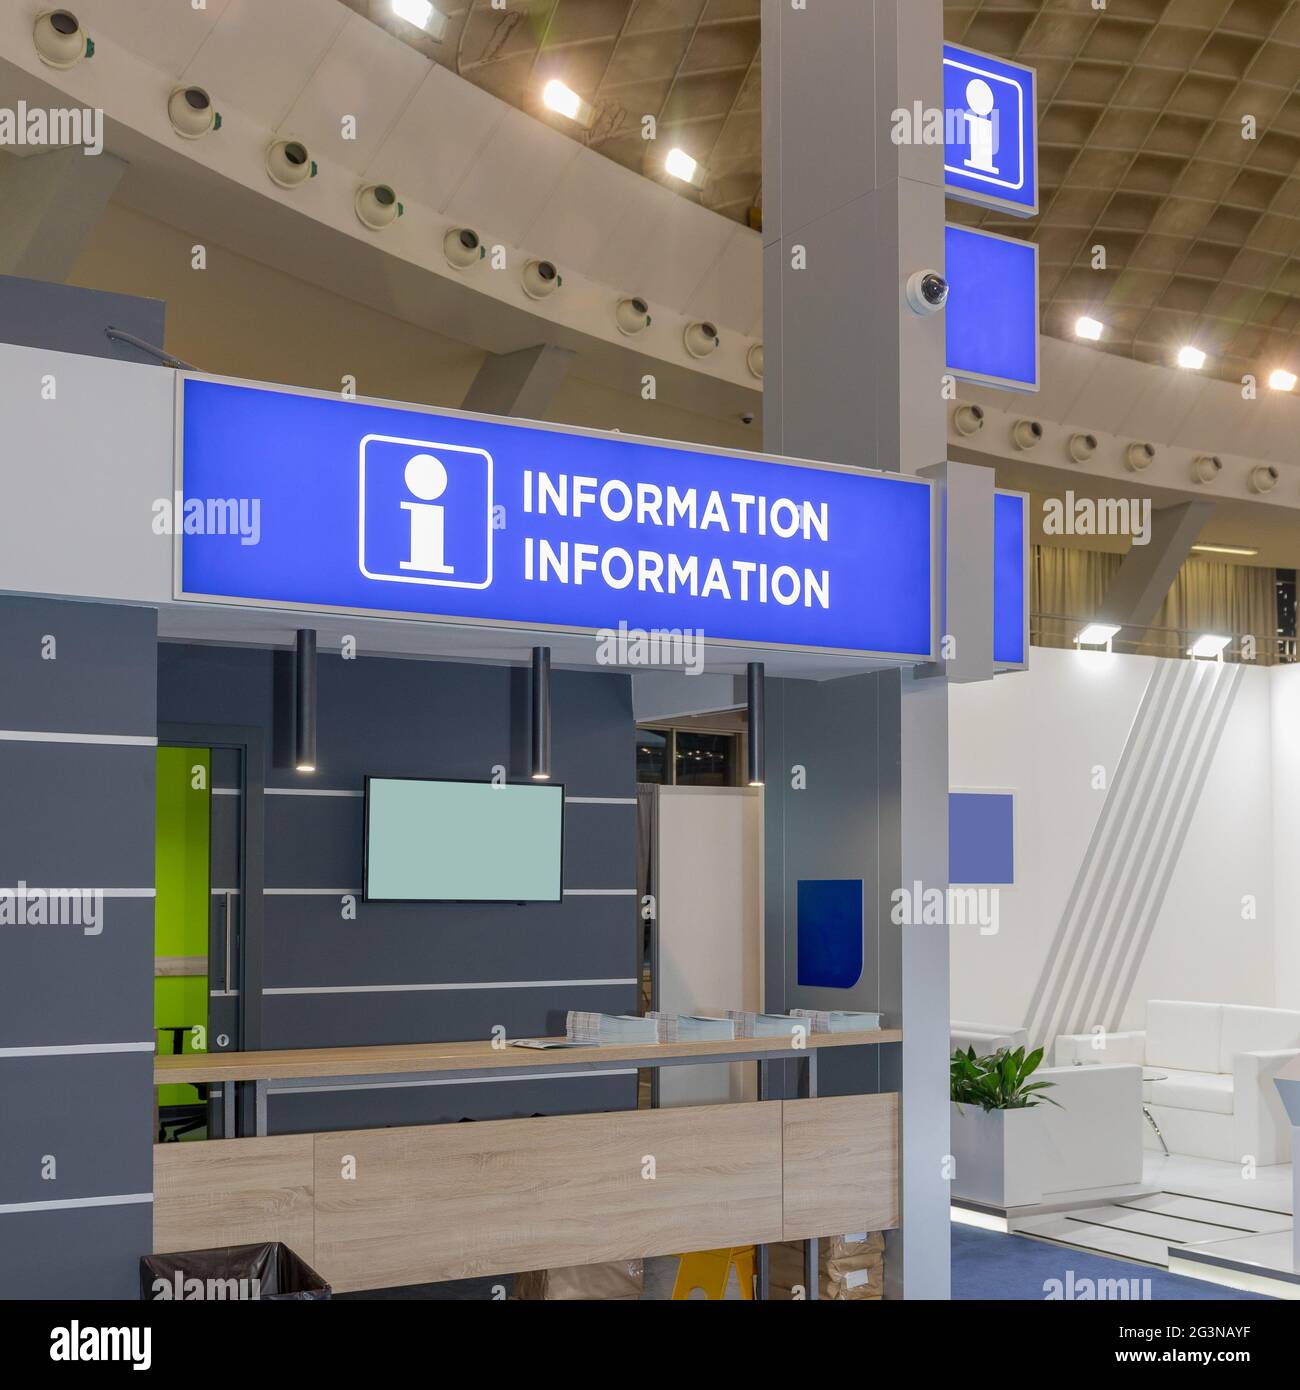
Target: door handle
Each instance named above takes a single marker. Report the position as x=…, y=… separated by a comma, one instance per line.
x=230, y=928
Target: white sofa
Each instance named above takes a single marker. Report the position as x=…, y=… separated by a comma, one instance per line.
x=1218, y=1099
x=985, y=1038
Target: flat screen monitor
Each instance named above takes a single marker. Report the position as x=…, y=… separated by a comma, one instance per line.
x=431, y=841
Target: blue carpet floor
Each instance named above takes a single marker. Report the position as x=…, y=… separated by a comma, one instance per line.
x=986, y=1264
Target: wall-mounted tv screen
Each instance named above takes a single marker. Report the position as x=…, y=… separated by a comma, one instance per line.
x=430, y=841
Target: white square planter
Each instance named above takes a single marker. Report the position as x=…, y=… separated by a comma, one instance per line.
x=998, y=1155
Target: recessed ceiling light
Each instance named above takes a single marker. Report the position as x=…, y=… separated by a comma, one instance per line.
x=1208, y=549
x=1191, y=357
x=423, y=15
x=565, y=101
x=681, y=166
x=1208, y=644
x=1282, y=380
x=1091, y=329
x=1097, y=634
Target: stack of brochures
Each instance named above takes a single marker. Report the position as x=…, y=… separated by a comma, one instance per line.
x=610, y=1028
x=839, y=1020
x=769, y=1025
x=692, y=1027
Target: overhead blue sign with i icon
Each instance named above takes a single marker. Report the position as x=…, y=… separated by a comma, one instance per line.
x=990, y=152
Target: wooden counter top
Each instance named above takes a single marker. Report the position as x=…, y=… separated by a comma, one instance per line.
x=430, y=1058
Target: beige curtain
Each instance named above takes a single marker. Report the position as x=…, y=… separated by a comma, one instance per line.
x=1068, y=586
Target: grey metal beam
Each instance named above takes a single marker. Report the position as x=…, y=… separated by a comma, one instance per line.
x=1148, y=571
x=52, y=203
x=520, y=383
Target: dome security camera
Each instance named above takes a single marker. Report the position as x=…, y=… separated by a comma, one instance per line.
x=377, y=206
x=1206, y=468
x=968, y=419
x=60, y=40
x=632, y=316
x=754, y=360
x=927, y=291
x=463, y=247
x=289, y=165
x=1082, y=447
x=191, y=113
x=1263, y=478
x=541, y=279
x=1026, y=433
x=747, y=417
x=1138, y=457
x=701, y=338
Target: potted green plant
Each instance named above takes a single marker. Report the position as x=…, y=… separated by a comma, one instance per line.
x=996, y=1137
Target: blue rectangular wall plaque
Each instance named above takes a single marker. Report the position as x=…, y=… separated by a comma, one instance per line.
x=990, y=151
x=981, y=837
x=1010, y=580
x=373, y=508
x=991, y=318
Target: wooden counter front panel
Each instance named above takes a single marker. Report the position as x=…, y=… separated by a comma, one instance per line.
x=841, y=1165
x=494, y=1197
x=234, y=1192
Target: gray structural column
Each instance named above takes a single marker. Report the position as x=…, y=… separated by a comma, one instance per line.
x=52, y=202
x=1148, y=571
x=519, y=383
x=853, y=376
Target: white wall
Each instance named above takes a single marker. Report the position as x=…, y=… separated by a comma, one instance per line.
x=1042, y=733
x=1285, y=691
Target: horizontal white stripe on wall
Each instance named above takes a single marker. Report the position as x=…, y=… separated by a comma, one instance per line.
x=227, y=791
x=309, y=791
x=356, y=892
x=600, y=892
x=600, y=801
x=33, y=736
x=83, y=888
x=329, y=791
x=472, y=984
x=448, y=1081
x=122, y=1199
x=76, y=1049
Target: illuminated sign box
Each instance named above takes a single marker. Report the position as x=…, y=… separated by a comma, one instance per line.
x=991, y=317
x=990, y=131
x=398, y=510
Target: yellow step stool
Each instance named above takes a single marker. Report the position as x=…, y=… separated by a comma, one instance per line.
x=709, y=1271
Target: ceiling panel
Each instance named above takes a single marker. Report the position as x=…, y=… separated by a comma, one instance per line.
x=165, y=33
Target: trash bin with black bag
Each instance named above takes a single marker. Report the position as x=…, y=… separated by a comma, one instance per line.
x=266, y=1270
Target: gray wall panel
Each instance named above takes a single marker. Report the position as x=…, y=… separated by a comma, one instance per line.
x=95, y=685
x=58, y=985
x=93, y=1114
x=76, y=815
x=88, y=1253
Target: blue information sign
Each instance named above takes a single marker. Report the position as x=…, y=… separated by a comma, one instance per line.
x=991, y=318
x=1010, y=586
x=990, y=131
x=372, y=508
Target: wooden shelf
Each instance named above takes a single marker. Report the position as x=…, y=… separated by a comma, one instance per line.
x=432, y=1058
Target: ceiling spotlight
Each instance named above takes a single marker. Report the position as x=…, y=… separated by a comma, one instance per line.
x=377, y=206
x=1206, y=468
x=1263, y=478
x=1138, y=457
x=541, y=279
x=1191, y=357
x=289, y=164
x=423, y=15
x=1208, y=644
x=1082, y=447
x=1091, y=329
x=1097, y=634
x=632, y=316
x=463, y=247
x=191, y=113
x=564, y=101
x=1026, y=433
x=60, y=40
x=701, y=338
x=681, y=166
x=1208, y=549
x=754, y=360
x=1281, y=380
x=968, y=419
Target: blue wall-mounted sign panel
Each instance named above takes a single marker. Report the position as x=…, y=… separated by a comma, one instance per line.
x=828, y=932
x=1010, y=580
x=981, y=837
x=373, y=508
x=991, y=318
x=990, y=153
